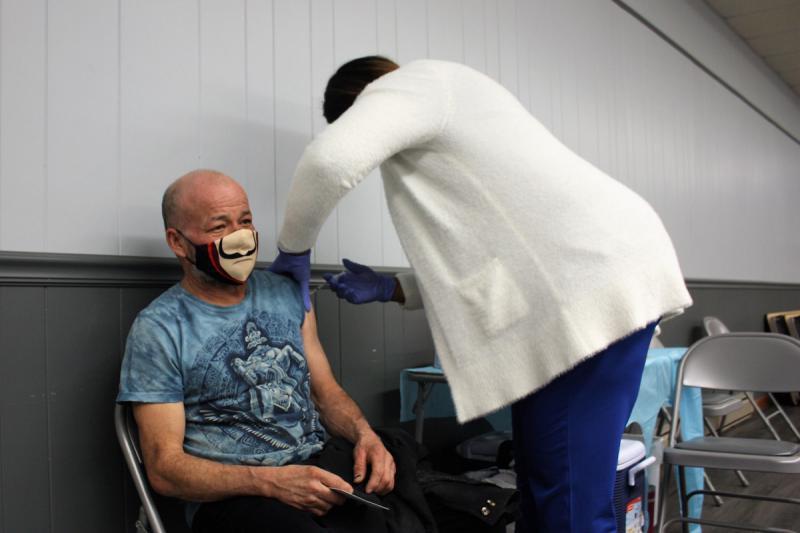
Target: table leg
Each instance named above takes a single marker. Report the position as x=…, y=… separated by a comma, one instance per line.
x=423, y=390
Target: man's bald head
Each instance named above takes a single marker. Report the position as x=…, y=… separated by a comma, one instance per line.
x=203, y=207
x=182, y=194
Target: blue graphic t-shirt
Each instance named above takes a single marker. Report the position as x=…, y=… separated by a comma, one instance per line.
x=240, y=372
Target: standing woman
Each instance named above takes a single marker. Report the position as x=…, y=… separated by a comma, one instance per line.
x=541, y=276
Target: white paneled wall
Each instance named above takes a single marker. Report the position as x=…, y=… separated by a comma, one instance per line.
x=82, y=166
x=359, y=213
x=23, y=125
x=704, y=34
x=103, y=103
x=159, y=117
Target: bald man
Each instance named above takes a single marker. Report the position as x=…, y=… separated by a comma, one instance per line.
x=219, y=371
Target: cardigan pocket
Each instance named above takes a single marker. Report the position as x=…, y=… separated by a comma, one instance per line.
x=493, y=299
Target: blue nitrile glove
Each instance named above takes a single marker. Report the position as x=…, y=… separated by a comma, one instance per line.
x=360, y=284
x=296, y=266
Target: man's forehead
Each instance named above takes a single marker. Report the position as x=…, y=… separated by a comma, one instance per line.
x=226, y=215
x=221, y=202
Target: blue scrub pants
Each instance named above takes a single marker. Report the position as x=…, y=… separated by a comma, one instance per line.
x=566, y=440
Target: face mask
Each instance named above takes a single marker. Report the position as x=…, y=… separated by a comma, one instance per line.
x=230, y=259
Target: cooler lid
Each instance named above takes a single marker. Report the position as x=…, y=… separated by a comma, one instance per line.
x=630, y=453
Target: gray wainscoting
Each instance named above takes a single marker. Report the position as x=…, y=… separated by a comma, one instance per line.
x=740, y=305
x=63, y=323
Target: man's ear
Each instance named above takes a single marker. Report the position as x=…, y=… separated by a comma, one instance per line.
x=176, y=243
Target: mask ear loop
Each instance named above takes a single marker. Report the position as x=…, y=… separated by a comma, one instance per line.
x=190, y=242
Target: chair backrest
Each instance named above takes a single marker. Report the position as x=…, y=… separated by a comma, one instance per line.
x=764, y=362
x=714, y=326
x=128, y=438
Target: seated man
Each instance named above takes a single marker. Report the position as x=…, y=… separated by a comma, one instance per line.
x=230, y=386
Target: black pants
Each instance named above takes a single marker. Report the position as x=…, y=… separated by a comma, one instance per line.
x=254, y=514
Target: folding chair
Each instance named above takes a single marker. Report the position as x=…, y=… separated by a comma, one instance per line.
x=721, y=403
x=726, y=362
x=149, y=520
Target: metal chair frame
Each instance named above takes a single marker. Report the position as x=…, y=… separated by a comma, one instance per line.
x=149, y=520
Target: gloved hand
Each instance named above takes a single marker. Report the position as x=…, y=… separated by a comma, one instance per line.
x=360, y=284
x=296, y=266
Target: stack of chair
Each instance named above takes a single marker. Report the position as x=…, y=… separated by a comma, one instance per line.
x=787, y=323
x=778, y=322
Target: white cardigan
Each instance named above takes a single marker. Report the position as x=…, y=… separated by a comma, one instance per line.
x=528, y=258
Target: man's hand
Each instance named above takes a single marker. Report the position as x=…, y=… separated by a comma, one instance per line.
x=360, y=284
x=298, y=267
x=303, y=487
x=369, y=451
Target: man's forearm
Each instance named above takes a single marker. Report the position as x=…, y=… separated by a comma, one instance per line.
x=192, y=478
x=173, y=472
x=341, y=415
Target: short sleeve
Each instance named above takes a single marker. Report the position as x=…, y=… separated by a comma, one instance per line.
x=151, y=371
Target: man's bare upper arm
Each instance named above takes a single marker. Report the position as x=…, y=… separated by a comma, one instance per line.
x=161, y=429
x=318, y=365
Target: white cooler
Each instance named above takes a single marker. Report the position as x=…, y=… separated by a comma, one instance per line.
x=630, y=489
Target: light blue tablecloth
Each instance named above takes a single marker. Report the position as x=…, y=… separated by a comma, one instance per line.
x=657, y=389
x=440, y=403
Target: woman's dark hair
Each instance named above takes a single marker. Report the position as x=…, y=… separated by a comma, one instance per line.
x=348, y=82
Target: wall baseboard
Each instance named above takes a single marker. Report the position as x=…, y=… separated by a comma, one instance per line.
x=34, y=269
x=79, y=270
x=50, y=269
